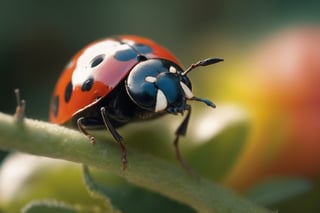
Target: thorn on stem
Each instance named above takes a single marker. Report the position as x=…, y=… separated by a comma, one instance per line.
x=21, y=105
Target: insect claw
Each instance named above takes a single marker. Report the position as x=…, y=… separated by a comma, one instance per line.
x=92, y=139
x=124, y=163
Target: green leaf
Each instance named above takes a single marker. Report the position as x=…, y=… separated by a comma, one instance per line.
x=46, y=179
x=303, y=202
x=96, y=191
x=278, y=189
x=48, y=206
x=126, y=196
x=214, y=158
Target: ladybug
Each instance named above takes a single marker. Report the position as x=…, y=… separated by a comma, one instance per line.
x=123, y=79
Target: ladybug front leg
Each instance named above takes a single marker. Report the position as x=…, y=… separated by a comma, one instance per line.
x=115, y=135
x=82, y=128
x=181, y=131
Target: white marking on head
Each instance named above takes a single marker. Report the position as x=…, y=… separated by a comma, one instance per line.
x=172, y=69
x=186, y=90
x=150, y=79
x=161, y=101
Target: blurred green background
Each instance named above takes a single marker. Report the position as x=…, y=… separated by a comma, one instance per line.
x=37, y=39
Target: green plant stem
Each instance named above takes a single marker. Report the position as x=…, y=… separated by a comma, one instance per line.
x=41, y=138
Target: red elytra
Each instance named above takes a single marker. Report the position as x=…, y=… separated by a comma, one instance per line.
x=107, y=75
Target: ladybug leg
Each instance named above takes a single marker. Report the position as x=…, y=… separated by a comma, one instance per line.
x=181, y=131
x=82, y=128
x=116, y=136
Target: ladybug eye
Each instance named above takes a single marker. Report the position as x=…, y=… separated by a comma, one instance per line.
x=87, y=85
x=97, y=60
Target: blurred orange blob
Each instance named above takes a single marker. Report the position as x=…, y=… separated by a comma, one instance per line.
x=284, y=79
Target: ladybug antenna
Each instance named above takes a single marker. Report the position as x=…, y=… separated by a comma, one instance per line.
x=202, y=63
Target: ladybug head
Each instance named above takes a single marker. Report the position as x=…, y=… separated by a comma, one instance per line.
x=160, y=85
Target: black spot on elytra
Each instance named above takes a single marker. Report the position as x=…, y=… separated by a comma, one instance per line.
x=125, y=55
x=131, y=53
x=68, y=92
x=142, y=49
x=55, y=105
x=141, y=58
x=87, y=85
x=97, y=60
